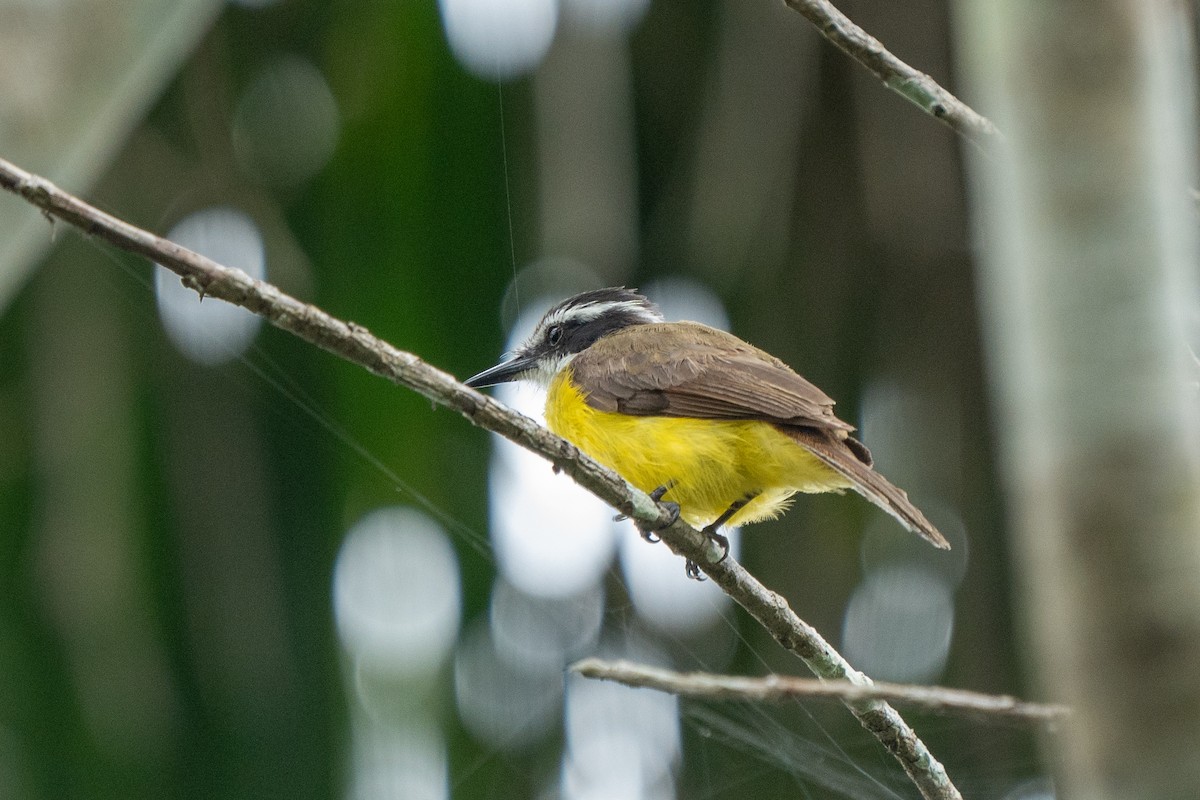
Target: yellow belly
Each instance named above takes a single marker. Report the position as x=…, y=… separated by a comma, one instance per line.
x=709, y=464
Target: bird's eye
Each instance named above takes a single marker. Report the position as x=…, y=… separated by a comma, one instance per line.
x=554, y=335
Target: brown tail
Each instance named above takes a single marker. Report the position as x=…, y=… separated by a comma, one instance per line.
x=852, y=460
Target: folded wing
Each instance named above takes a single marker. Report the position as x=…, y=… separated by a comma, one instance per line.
x=697, y=371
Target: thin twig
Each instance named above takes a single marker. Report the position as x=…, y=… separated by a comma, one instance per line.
x=356, y=344
x=911, y=84
x=777, y=688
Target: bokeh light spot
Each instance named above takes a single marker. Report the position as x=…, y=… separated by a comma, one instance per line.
x=898, y=624
x=286, y=124
x=406, y=761
x=661, y=592
x=539, y=633
x=552, y=538
x=510, y=707
x=621, y=742
x=211, y=331
x=499, y=39
x=396, y=592
x=684, y=298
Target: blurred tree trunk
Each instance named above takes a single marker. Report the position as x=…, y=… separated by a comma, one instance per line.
x=1088, y=245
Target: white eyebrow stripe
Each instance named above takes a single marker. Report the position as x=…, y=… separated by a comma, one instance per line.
x=590, y=311
x=583, y=313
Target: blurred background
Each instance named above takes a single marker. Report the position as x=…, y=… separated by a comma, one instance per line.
x=233, y=566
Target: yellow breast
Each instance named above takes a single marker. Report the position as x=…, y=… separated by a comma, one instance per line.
x=709, y=464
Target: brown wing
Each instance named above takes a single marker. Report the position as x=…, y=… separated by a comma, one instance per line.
x=692, y=370
x=685, y=369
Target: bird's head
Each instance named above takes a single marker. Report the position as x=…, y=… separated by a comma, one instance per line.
x=565, y=331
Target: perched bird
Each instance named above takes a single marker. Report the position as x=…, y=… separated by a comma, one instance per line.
x=693, y=415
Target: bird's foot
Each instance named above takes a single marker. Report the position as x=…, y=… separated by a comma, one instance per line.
x=719, y=540
x=692, y=569
x=657, y=496
x=649, y=533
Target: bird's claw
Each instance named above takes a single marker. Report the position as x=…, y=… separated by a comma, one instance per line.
x=672, y=508
x=648, y=533
x=720, y=541
x=692, y=569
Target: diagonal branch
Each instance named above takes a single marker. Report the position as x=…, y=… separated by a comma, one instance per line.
x=356, y=344
x=777, y=688
x=913, y=85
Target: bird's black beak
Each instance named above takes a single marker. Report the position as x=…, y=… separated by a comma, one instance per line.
x=503, y=372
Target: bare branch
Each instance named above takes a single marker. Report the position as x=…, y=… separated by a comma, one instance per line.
x=777, y=688
x=356, y=344
x=913, y=85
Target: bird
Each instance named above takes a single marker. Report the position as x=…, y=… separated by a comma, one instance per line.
x=721, y=432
